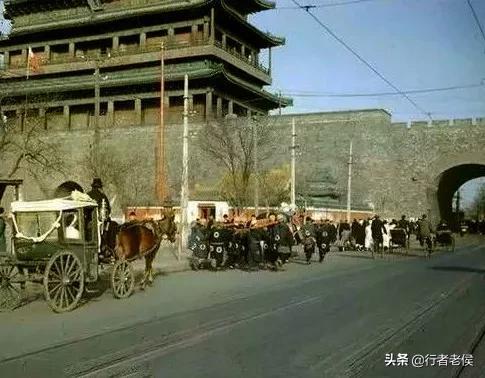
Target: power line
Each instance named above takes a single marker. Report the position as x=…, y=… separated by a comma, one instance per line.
x=476, y=19
x=342, y=42
x=311, y=6
x=296, y=93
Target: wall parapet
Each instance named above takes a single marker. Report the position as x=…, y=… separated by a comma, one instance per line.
x=462, y=122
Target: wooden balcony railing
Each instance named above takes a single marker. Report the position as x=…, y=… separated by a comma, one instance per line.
x=137, y=49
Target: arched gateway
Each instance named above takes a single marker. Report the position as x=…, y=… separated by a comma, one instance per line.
x=66, y=188
x=450, y=181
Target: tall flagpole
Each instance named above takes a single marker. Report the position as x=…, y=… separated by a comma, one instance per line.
x=27, y=76
x=256, y=168
x=349, y=183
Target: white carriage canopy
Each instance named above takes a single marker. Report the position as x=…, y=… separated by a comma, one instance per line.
x=47, y=215
x=75, y=201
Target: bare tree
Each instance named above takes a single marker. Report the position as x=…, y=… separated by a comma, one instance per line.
x=125, y=178
x=275, y=186
x=476, y=209
x=29, y=149
x=232, y=143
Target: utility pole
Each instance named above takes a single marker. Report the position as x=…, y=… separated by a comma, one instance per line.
x=349, y=184
x=279, y=103
x=96, y=114
x=293, y=163
x=184, y=197
x=160, y=163
x=256, y=170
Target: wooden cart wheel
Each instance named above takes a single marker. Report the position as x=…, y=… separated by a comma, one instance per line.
x=63, y=281
x=122, y=279
x=10, y=287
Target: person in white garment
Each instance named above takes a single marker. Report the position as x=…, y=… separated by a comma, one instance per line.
x=369, y=243
x=386, y=236
x=72, y=231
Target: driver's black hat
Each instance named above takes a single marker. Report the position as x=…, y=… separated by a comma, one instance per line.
x=97, y=183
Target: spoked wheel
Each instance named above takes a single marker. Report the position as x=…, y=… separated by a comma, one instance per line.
x=122, y=279
x=63, y=281
x=10, y=287
x=451, y=246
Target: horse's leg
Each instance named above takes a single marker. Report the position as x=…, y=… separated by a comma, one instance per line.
x=145, y=275
x=149, y=261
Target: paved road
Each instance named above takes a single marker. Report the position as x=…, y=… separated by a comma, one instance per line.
x=335, y=319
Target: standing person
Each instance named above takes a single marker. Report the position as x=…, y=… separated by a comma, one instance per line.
x=378, y=231
x=360, y=235
x=285, y=232
x=98, y=195
x=386, y=236
x=368, y=235
x=3, y=228
x=404, y=224
x=273, y=238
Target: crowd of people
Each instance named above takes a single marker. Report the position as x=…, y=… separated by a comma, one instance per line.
x=252, y=242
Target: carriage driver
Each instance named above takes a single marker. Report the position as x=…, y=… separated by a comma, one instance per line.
x=98, y=195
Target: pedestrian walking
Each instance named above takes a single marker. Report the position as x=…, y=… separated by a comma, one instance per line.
x=309, y=241
x=378, y=231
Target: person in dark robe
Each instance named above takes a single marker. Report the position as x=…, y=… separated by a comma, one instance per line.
x=98, y=195
x=378, y=230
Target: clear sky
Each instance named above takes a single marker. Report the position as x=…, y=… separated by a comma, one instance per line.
x=415, y=44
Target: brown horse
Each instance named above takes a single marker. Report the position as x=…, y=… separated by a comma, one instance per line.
x=135, y=240
x=138, y=239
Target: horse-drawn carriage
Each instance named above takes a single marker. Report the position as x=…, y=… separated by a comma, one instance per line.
x=445, y=239
x=56, y=243
x=399, y=240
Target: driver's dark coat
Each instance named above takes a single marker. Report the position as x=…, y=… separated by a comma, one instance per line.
x=99, y=196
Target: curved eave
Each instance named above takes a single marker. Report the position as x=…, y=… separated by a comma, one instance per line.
x=216, y=72
x=57, y=85
x=264, y=95
x=267, y=39
x=252, y=6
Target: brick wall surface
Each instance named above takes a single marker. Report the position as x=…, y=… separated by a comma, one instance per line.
x=396, y=168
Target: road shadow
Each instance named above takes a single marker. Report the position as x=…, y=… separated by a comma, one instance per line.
x=458, y=269
x=409, y=254
x=339, y=254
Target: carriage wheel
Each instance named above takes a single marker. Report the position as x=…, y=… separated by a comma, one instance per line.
x=63, y=281
x=122, y=279
x=10, y=288
x=452, y=246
